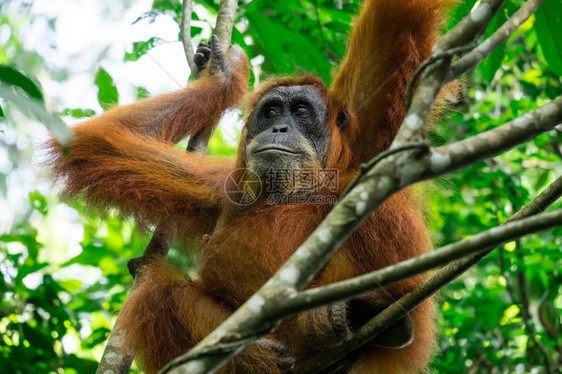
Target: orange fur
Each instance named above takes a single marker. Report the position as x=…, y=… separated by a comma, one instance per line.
x=125, y=159
x=389, y=40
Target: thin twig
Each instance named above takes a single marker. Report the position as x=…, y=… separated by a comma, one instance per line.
x=525, y=303
x=448, y=54
x=321, y=28
x=525, y=308
x=470, y=60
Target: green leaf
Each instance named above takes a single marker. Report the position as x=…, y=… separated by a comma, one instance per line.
x=459, y=12
x=38, y=202
x=98, y=336
x=493, y=62
x=15, y=78
x=142, y=93
x=278, y=40
x=78, y=113
x=548, y=25
x=543, y=179
x=167, y=5
x=265, y=31
x=108, y=96
x=142, y=48
x=151, y=15
x=38, y=340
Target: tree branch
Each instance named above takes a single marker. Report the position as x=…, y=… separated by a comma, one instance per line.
x=117, y=358
x=185, y=27
x=394, y=171
x=470, y=27
x=403, y=270
x=410, y=301
x=225, y=21
x=473, y=58
x=440, y=71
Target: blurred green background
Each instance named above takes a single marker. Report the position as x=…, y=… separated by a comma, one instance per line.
x=63, y=274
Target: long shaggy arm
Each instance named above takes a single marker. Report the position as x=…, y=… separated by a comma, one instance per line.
x=389, y=40
x=126, y=159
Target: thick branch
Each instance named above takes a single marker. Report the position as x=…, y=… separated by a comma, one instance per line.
x=117, y=358
x=410, y=301
x=225, y=21
x=381, y=278
x=223, y=28
x=482, y=146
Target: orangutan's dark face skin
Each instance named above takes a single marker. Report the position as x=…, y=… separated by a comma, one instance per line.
x=288, y=130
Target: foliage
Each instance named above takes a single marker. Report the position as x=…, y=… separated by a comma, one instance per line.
x=482, y=325
x=63, y=275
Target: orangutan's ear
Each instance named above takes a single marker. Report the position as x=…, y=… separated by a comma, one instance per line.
x=343, y=118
